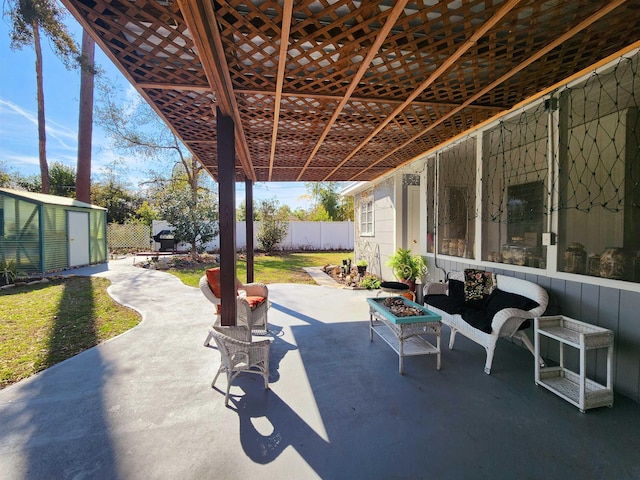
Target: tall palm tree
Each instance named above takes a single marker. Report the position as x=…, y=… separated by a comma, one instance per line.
x=30, y=18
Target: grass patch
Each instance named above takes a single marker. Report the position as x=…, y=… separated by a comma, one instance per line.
x=46, y=323
x=43, y=324
x=275, y=268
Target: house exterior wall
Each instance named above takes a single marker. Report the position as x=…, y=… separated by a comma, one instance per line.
x=377, y=247
x=586, y=158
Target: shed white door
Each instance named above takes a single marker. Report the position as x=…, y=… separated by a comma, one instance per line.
x=78, y=230
x=413, y=219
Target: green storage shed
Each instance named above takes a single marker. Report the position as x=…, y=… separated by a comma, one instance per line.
x=46, y=233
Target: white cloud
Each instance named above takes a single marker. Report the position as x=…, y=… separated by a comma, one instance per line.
x=15, y=160
x=54, y=130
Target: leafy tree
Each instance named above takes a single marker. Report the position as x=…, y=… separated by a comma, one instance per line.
x=136, y=130
x=121, y=204
x=346, y=209
x=285, y=212
x=112, y=193
x=30, y=183
x=274, y=226
x=193, y=215
x=320, y=214
x=5, y=177
x=62, y=180
x=325, y=195
x=241, y=211
x=30, y=18
x=145, y=214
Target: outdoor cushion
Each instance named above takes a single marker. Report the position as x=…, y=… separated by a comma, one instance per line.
x=499, y=299
x=478, y=318
x=449, y=304
x=213, y=277
x=456, y=290
x=394, y=285
x=478, y=284
x=254, y=302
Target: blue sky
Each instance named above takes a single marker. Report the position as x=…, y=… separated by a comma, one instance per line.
x=18, y=118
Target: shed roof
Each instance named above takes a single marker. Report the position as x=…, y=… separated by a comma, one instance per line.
x=45, y=199
x=336, y=90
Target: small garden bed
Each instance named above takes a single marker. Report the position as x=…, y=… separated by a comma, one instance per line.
x=351, y=278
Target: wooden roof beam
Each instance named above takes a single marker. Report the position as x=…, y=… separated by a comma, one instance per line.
x=371, y=53
x=448, y=63
x=541, y=53
x=201, y=21
x=287, y=13
x=175, y=86
x=325, y=96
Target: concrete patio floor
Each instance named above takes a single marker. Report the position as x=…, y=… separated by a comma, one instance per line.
x=140, y=406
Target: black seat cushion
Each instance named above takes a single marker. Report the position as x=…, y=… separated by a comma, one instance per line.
x=446, y=303
x=499, y=299
x=394, y=286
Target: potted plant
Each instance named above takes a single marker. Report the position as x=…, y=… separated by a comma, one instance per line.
x=346, y=265
x=407, y=267
x=362, y=267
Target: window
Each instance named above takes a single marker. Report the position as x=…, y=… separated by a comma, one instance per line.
x=456, y=200
x=599, y=210
x=514, y=189
x=366, y=218
x=431, y=195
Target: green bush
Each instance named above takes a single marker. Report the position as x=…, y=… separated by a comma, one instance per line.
x=370, y=282
x=274, y=225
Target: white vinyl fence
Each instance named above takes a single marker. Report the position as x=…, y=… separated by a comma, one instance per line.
x=301, y=236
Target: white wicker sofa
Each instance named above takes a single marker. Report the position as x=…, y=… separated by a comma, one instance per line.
x=504, y=323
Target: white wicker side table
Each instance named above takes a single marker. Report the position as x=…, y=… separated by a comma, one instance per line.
x=574, y=387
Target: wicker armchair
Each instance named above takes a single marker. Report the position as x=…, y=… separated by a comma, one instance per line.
x=252, y=301
x=238, y=355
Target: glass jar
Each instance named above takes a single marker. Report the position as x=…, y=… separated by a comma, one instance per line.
x=612, y=263
x=444, y=249
x=593, y=265
x=575, y=258
x=461, y=247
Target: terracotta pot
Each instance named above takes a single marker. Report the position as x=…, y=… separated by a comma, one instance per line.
x=411, y=283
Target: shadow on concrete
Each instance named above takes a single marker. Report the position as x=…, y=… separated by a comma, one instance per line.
x=77, y=412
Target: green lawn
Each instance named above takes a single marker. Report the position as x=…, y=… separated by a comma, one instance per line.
x=45, y=323
x=285, y=268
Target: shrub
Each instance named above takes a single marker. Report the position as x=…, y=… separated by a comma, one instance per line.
x=370, y=282
x=274, y=225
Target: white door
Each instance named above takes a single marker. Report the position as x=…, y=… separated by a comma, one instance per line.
x=78, y=230
x=413, y=218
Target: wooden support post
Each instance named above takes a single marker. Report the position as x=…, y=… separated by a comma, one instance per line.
x=249, y=229
x=227, y=217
